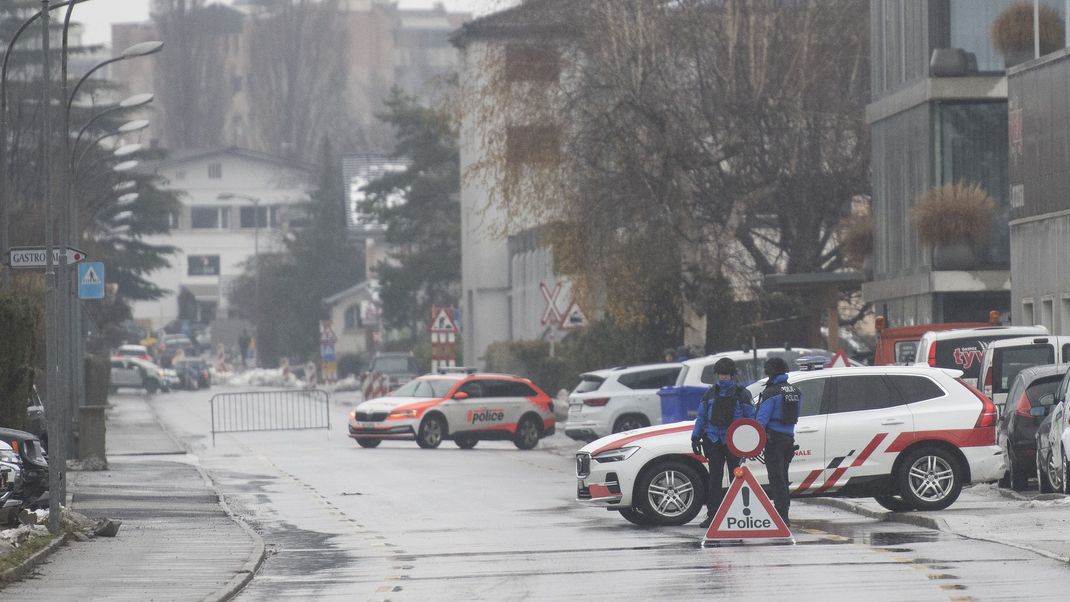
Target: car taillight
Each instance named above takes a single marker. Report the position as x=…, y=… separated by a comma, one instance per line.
x=596, y=403
x=989, y=413
x=1022, y=409
x=932, y=355
x=988, y=382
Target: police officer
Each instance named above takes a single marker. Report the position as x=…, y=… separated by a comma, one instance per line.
x=778, y=411
x=724, y=402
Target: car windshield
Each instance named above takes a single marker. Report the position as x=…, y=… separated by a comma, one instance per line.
x=430, y=388
x=589, y=383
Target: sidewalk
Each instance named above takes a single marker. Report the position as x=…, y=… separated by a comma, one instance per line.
x=177, y=541
x=1037, y=523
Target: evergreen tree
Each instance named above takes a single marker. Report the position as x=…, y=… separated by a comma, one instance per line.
x=420, y=209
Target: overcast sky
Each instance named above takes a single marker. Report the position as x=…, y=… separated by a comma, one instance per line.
x=98, y=15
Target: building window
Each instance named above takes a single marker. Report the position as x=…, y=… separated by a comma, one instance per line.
x=202, y=265
x=1047, y=314
x=1064, y=316
x=210, y=218
x=1028, y=318
x=174, y=220
x=532, y=144
x=532, y=63
x=971, y=21
x=352, y=317
x=266, y=216
x=215, y=171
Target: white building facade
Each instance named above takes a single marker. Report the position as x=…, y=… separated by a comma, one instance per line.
x=217, y=237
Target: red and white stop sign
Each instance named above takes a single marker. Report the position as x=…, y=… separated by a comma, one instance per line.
x=746, y=438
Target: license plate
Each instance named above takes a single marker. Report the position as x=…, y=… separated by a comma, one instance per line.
x=365, y=425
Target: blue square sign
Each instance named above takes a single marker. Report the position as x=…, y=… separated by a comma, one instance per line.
x=91, y=280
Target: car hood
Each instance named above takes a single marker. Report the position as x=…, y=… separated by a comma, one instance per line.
x=651, y=435
x=386, y=404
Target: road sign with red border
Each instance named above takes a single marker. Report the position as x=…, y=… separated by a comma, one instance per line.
x=746, y=513
x=746, y=438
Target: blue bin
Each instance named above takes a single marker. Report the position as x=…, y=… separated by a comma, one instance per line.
x=680, y=403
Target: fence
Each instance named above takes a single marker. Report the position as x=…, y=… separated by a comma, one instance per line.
x=270, y=411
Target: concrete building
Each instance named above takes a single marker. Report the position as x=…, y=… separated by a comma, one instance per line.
x=509, y=289
x=928, y=131
x=217, y=238
x=1040, y=192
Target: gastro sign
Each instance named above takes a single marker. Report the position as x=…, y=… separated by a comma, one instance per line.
x=34, y=257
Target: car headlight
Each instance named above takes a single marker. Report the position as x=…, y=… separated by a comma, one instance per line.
x=402, y=414
x=616, y=455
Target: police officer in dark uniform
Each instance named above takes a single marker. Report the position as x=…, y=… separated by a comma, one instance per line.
x=724, y=402
x=778, y=411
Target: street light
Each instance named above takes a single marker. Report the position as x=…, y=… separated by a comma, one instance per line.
x=226, y=196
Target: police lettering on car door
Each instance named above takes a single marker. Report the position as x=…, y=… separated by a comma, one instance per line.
x=486, y=416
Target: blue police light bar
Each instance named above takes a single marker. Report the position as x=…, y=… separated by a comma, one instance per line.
x=812, y=362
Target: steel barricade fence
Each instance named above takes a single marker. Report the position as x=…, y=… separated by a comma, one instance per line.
x=256, y=411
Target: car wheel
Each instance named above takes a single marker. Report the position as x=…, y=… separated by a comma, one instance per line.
x=1044, y=484
x=670, y=493
x=152, y=386
x=630, y=422
x=465, y=442
x=635, y=516
x=527, y=433
x=432, y=431
x=369, y=442
x=893, y=503
x=929, y=478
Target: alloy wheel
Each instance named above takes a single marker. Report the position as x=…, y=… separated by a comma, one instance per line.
x=1055, y=476
x=528, y=433
x=931, y=478
x=671, y=493
x=432, y=432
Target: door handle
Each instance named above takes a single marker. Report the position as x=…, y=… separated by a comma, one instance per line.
x=807, y=429
x=891, y=421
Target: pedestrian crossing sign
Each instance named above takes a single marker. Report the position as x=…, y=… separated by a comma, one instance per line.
x=91, y=280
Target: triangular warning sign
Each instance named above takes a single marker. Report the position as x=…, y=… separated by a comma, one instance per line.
x=746, y=513
x=443, y=323
x=839, y=360
x=90, y=277
x=573, y=318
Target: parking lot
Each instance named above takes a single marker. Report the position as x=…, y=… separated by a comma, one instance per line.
x=398, y=522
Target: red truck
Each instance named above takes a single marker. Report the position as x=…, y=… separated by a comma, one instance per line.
x=899, y=345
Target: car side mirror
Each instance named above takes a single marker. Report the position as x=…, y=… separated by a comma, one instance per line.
x=460, y=395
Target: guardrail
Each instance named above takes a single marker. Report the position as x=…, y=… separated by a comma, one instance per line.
x=255, y=411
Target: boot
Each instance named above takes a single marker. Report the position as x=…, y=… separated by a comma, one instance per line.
x=705, y=524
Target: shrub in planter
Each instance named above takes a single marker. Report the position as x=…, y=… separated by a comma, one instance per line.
x=856, y=237
x=957, y=220
x=1012, y=32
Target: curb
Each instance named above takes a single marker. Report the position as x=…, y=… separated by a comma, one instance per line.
x=15, y=573
x=259, y=553
x=905, y=518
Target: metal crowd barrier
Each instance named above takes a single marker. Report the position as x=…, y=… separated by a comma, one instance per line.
x=254, y=411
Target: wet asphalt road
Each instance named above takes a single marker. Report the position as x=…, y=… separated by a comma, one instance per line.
x=401, y=523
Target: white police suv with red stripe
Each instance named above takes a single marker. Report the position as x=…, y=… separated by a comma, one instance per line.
x=908, y=436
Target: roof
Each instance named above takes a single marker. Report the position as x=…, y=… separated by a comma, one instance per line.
x=813, y=280
x=349, y=292
x=1009, y=331
x=1031, y=374
x=1035, y=339
x=534, y=17
x=178, y=157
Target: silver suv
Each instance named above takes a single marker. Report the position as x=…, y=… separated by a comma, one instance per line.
x=619, y=399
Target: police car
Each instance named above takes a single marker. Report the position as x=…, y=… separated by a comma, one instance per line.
x=461, y=406
x=908, y=436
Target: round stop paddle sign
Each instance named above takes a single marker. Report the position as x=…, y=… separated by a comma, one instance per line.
x=746, y=438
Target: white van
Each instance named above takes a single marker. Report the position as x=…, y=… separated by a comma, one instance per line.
x=1003, y=360
x=964, y=349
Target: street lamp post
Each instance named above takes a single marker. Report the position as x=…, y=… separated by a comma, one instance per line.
x=223, y=196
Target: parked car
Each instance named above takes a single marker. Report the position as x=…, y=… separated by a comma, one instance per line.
x=908, y=436
x=192, y=373
x=616, y=400
x=398, y=368
x=1031, y=397
x=140, y=352
x=1003, y=360
x=465, y=407
x=169, y=346
x=136, y=374
x=31, y=486
x=964, y=349
x=1053, y=444
x=699, y=372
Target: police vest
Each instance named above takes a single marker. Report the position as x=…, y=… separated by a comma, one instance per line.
x=722, y=408
x=789, y=402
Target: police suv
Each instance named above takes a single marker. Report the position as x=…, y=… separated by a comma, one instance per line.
x=908, y=436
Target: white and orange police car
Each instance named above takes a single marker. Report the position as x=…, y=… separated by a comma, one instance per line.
x=457, y=405
x=910, y=437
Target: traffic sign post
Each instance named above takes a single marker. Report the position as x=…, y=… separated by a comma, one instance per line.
x=34, y=258
x=91, y=280
x=746, y=513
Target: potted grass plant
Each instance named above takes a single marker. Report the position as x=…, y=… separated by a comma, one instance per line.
x=856, y=240
x=956, y=220
x=1012, y=32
